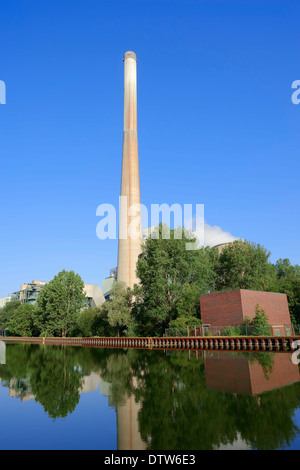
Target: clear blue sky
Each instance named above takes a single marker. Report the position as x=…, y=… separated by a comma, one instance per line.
x=216, y=123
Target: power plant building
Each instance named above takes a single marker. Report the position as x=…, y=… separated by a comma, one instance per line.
x=30, y=292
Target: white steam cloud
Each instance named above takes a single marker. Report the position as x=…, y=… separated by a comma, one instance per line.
x=214, y=235
x=209, y=235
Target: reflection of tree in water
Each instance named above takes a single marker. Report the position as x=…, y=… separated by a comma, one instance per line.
x=17, y=357
x=266, y=360
x=194, y=417
x=124, y=370
x=55, y=379
x=177, y=410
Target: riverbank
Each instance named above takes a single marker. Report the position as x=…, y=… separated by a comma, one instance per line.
x=246, y=343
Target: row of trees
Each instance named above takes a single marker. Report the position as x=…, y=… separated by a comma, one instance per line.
x=62, y=310
x=171, y=280
x=55, y=313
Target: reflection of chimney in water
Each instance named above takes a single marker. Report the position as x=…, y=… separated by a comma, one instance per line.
x=128, y=434
x=129, y=437
x=129, y=246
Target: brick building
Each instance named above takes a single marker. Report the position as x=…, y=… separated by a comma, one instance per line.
x=221, y=309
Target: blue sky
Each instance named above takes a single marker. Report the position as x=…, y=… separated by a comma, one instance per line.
x=216, y=123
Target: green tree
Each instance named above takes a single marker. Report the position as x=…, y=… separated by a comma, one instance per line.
x=182, y=323
x=171, y=280
x=101, y=325
x=85, y=322
x=118, y=309
x=7, y=312
x=288, y=278
x=22, y=321
x=261, y=322
x=257, y=326
x=285, y=269
x=59, y=304
x=188, y=304
x=55, y=380
x=243, y=265
x=93, y=321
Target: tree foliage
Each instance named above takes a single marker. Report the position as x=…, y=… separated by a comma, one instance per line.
x=59, y=304
x=177, y=409
x=288, y=281
x=258, y=325
x=7, y=312
x=171, y=280
x=243, y=265
x=22, y=321
x=118, y=309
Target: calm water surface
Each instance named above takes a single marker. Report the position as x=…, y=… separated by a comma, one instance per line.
x=55, y=397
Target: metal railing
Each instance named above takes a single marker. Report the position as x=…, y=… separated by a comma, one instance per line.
x=233, y=330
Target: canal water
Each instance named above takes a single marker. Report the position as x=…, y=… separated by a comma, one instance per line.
x=56, y=397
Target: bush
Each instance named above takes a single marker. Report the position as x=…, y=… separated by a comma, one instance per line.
x=231, y=331
x=258, y=326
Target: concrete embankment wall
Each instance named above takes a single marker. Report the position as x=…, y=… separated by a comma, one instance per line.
x=284, y=343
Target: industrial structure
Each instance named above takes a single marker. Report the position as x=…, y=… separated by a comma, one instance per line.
x=221, y=246
x=231, y=308
x=108, y=282
x=130, y=220
x=5, y=300
x=30, y=292
x=94, y=295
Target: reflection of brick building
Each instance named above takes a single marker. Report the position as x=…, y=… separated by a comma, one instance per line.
x=235, y=372
x=231, y=307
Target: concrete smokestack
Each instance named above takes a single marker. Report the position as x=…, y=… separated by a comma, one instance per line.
x=130, y=223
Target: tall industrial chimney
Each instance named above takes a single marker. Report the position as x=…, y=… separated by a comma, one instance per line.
x=130, y=222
